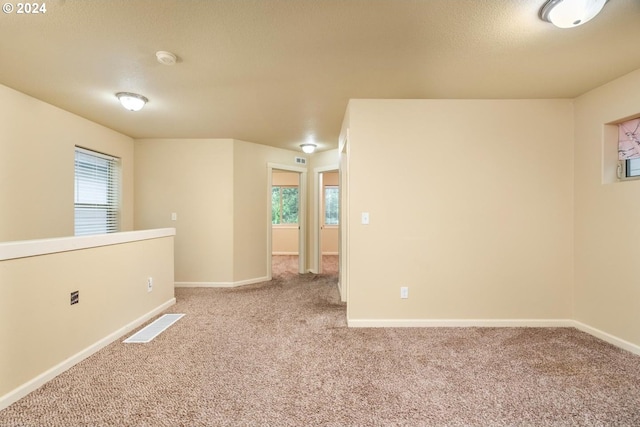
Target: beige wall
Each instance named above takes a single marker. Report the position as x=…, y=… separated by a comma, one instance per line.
x=330, y=178
x=284, y=240
x=330, y=240
x=194, y=179
x=607, y=294
x=285, y=178
x=218, y=189
x=474, y=213
x=37, y=166
x=39, y=329
x=251, y=221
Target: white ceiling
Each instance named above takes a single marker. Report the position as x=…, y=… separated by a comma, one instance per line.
x=276, y=72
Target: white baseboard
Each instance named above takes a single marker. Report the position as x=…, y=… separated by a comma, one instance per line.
x=329, y=253
x=37, y=382
x=604, y=336
x=221, y=284
x=284, y=253
x=458, y=323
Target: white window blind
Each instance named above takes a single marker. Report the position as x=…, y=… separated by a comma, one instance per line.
x=97, y=193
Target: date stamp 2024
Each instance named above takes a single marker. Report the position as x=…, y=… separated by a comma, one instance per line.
x=25, y=8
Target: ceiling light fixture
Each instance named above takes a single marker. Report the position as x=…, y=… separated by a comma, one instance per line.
x=570, y=13
x=131, y=101
x=308, y=148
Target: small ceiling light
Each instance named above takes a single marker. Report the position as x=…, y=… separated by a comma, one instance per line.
x=131, y=101
x=570, y=13
x=166, y=58
x=308, y=148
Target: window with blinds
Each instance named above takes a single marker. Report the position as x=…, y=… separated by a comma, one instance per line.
x=97, y=193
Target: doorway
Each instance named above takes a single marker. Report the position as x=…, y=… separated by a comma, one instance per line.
x=285, y=229
x=327, y=219
x=286, y=221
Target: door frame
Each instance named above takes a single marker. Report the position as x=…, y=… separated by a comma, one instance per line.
x=317, y=214
x=344, y=151
x=302, y=215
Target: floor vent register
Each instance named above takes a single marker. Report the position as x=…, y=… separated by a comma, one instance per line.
x=154, y=329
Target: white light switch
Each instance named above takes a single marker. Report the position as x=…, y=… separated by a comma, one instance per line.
x=174, y=216
x=365, y=218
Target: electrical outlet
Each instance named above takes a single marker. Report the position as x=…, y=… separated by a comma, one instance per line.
x=149, y=284
x=404, y=292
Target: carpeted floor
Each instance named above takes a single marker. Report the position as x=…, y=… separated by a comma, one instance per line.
x=280, y=354
x=286, y=266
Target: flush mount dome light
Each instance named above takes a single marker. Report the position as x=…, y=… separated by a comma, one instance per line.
x=131, y=101
x=570, y=13
x=308, y=148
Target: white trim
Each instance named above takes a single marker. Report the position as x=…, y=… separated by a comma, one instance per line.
x=316, y=196
x=284, y=253
x=343, y=231
x=604, y=336
x=29, y=248
x=269, y=219
x=329, y=253
x=287, y=168
x=220, y=284
x=37, y=382
x=459, y=323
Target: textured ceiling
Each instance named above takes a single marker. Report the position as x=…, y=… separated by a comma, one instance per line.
x=277, y=72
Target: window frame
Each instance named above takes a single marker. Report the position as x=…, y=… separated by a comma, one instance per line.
x=624, y=168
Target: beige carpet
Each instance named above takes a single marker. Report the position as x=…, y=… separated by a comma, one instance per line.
x=280, y=354
x=283, y=266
